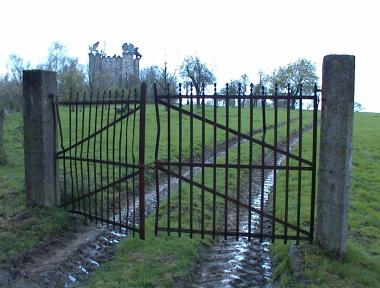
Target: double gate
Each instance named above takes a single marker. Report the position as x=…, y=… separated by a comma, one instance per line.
x=234, y=165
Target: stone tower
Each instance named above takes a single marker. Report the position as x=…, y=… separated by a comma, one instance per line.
x=107, y=72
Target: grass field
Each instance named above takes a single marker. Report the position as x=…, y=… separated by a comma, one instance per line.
x=140, y=263
x=361, y=265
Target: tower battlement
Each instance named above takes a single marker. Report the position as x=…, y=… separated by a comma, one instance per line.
x=121, y=71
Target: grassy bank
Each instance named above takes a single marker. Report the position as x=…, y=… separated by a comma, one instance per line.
x=361, y=265
x=21, y=227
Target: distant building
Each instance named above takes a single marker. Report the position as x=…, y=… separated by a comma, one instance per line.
x=107, y=72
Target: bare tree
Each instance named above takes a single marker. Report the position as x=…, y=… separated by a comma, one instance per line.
x=165, y=80
x=197, y=71
x=301, y=72
x=71, y=75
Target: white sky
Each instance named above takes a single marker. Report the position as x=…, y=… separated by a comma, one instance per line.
x=232, y=37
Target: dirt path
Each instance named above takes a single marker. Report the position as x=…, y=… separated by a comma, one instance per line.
x=243, y=263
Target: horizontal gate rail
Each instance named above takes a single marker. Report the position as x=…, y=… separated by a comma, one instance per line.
x=243, y=166
x=98, y=102
x=98, y=161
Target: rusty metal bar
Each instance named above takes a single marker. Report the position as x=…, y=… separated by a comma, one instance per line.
x=287, y=164
x=238, y=165
x=299, y=176
x=169, y=158
x=275, y=168
x=263, y=110
x=314, y=161
x=226, y=176
x=203, y=147
x=180, y=162
x=191, y=159
x=156, y=159
x=250, y=174
x=94, y=156
x=214, y=170
x=142, y=161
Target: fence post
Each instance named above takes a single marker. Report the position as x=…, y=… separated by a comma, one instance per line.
x=338, y=80
x=39, y=88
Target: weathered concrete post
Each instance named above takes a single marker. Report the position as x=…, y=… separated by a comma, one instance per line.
x=40, y=138
x=338, y=79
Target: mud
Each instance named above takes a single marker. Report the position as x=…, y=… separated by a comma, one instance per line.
x=243, y=263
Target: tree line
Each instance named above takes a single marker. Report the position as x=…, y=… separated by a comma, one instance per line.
x=195, y=74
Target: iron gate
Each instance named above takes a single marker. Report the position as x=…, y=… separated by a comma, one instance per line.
x=101, y=157
x=219, y=157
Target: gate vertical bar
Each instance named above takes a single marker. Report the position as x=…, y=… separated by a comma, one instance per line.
x=299, y=184
x=156, y=159
x=274, y=191
x=226, y=168
x=314, y=161
x=238, y=164
x=168, y=161
x=203, y=128
x=180, y=161
x=287, y=164
x=142, y=161
x=250, y=162
x=191, y=157
x=214, y=168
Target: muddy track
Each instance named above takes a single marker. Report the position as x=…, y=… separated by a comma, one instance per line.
x=62, y=261
x=243, y=263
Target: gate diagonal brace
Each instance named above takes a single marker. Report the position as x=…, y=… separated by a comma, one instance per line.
x=64, y=150
x=252, y=209
x=236, y=133
x=127, y=177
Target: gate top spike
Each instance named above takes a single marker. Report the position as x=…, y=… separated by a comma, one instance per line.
x=214, y=88
x=251, y=89
x=227, y=88
x=180, y=89
x=315, y=89
x=191, y=88
x=239, y=88
x=203, y=88
x=288, y=87
x=301, y=89
x=262, y=90
x=275, y=88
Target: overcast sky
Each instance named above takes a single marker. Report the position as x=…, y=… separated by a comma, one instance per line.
x=232, y=37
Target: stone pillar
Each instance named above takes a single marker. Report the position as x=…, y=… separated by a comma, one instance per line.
x=39, y=88
x=338, y=77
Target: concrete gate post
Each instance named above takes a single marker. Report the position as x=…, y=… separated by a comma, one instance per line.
x=39, y=88
x=338, y=79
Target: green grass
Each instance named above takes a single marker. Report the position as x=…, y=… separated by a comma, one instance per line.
x=21, y=227
x=361, y=265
